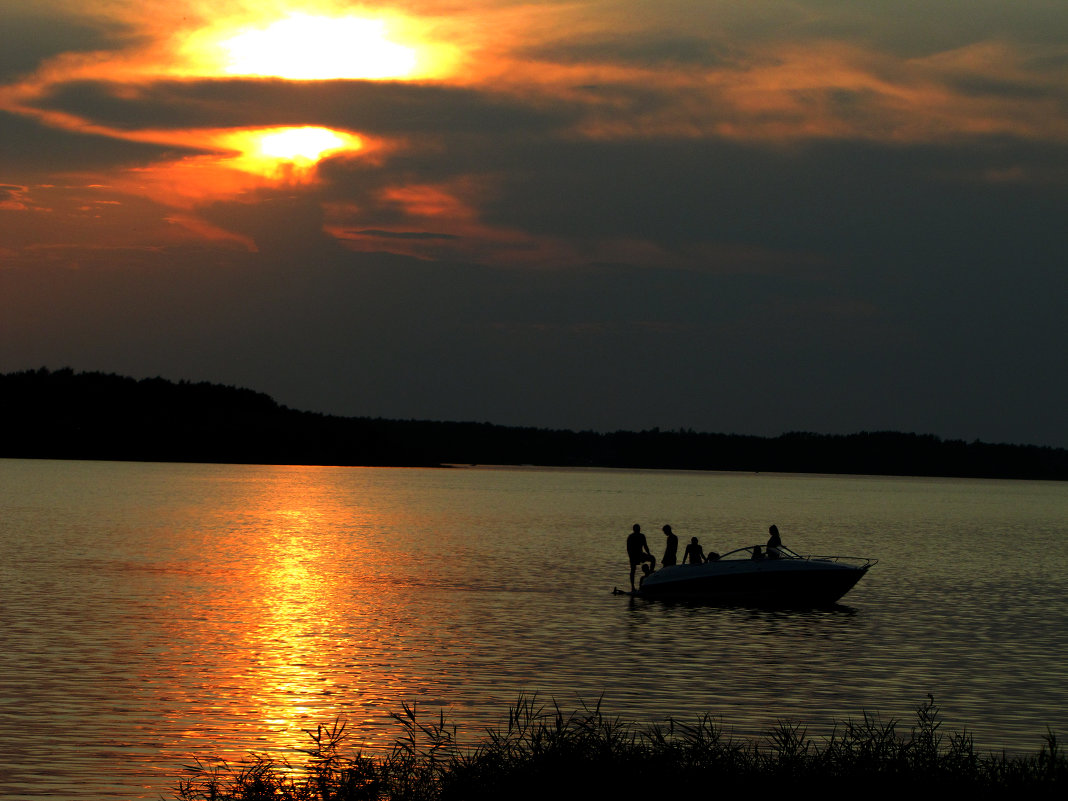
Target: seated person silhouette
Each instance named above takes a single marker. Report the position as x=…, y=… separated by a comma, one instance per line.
x=757, y=553
x=694, y=553
x=774, y=543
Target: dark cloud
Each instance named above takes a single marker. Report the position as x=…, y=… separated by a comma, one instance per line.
x=648, y=50
x=1008, y=89
x=839, y=197
x=898, y=270
x=915, y=28
x=379, y=234
x=374, y=107
x=27, y=39
x=30, y=148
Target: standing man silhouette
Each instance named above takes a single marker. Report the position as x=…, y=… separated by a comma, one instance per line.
x=638, y=551
x=671, y=549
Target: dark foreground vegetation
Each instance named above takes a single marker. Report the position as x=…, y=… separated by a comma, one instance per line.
x=542, y=754
x=60, y=414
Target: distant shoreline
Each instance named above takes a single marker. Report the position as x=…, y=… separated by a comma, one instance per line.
x=61, y=414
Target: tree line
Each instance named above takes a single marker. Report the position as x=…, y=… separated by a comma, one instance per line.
x=61, y=414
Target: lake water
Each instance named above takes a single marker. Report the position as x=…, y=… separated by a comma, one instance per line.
x=150, y=613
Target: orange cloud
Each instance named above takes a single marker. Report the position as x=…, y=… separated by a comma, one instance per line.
x=773, y=92
x=205, y=231
x=805, y=90
x=444, y=221
x=326, y=40
x=14, y=198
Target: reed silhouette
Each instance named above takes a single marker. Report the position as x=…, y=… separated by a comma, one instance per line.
x=540, y=752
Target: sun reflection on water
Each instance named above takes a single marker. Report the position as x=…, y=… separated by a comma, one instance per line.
x=299, y=660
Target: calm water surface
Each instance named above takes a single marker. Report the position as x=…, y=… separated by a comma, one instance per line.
x=150, y=613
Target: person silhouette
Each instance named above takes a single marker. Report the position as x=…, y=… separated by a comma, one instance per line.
x=694, y=552
x=671, y=548
x=774, y=543
x=638, y=551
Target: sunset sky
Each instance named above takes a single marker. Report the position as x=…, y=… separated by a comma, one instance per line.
x=758, y=217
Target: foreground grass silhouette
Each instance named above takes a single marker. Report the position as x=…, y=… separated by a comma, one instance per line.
x=541, y=753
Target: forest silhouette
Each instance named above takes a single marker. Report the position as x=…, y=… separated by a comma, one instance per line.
x=61, y=414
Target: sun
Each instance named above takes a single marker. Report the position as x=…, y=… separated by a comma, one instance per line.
x=287, y=150
x=306, y=47
x=308, y=143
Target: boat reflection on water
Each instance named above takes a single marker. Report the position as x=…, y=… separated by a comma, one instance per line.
x=745, y=576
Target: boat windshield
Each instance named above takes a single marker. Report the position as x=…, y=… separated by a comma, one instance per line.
x=785, y=553
x=748, y=550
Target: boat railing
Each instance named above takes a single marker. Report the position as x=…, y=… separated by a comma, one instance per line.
x=786, y=553
x=859, y=561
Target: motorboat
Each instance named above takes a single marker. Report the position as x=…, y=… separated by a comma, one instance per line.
x=749, y=576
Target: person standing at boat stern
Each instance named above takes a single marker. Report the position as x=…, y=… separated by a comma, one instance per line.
x=639, y=553
x=671, y=548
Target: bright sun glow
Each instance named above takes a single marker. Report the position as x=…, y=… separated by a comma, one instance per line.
x=300, y=144
x=303, y=47
x=266, y=151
